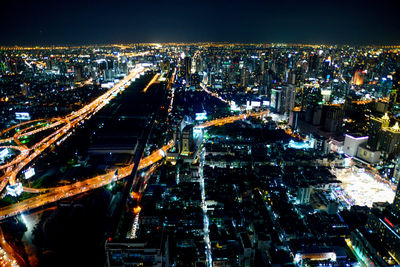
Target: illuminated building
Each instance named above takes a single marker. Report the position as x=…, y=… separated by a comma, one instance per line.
x=276, y=94
x=3, y=153
x=396, y=202
x=291, y=77
x=198, y=64
x=375, y=131
x=365, y=248
x=388, y=232
x=303, y=195
x=316, y=115
x=289, y=99
x=316, y=254
x=108, y=75
x=358, y=78
x=394, y=102
x=78, y=73
x=321, y=144
x=382, y=106
x=187, y=140
x=14, y=190
x=352, y=142
x=165, y=66
x=326, y=94
x=187, y=70
x=367, y=154
x=333, y=116
x=294, y=118
x=391, y=139
x=195, y=81
x=396, y=171
x=244, y=77
x=172, y=156
x=313, y=62
x=311, y=103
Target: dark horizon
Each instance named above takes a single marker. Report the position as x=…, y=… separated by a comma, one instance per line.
x=289, y=21
x=88, y=44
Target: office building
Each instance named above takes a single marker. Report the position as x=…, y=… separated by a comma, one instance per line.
x=187, y=140
x=352, y=142
x=375, y=131
x=303, y=195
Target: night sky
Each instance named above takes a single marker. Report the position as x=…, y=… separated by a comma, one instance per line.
x=116, y=21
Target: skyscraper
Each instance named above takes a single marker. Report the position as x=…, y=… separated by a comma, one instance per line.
x=394, y=103
x=165, y=66
x=303, y=194
x=290, y=96
x=333, y=116
x=188, y=71
x=396, y=202
x=187, y=140
x=78, y=73
x=244, y=77
x=391, y=139
x=276, y=99
x=375, y=131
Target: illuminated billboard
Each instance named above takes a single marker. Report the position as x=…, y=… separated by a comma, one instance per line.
x=29, y=173
x=201, y=116
x=22, y=116
x=300, y=145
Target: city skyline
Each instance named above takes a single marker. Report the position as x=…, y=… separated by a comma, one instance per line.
x=200, y=133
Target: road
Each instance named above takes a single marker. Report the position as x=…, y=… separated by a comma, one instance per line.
x=62, y=126
x=50, y=195
x=206, y=223
x=8, y=255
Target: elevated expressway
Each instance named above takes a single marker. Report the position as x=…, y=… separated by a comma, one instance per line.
x=49, y=195
x=62, y=129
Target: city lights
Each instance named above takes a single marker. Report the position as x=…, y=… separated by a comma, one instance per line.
x=213, y=154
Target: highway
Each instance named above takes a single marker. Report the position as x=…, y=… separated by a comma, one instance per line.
x=62, y=126
x=8, y=255
x=214, y=94
x=15, y=127
x=50, y=195
x=151, y=82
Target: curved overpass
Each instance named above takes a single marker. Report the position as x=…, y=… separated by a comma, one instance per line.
x=57, y=193
x=70, y=121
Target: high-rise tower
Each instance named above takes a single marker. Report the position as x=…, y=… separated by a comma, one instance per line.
x=394, y=103
x=396, y=202
x=375, y=131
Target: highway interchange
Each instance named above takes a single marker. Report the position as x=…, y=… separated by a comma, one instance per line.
x=62, y=128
